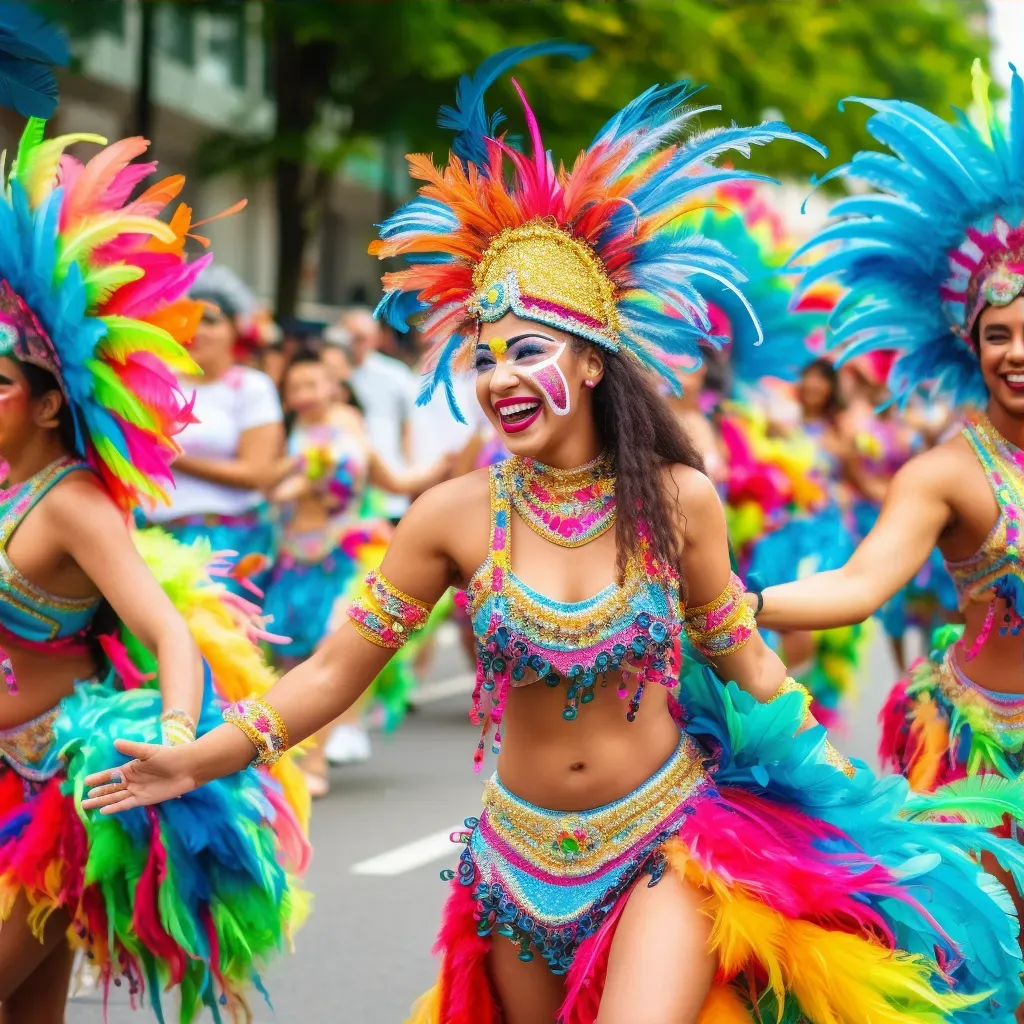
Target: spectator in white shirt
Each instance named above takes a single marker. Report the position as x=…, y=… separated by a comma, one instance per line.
x=386, y=389
x=232, y=454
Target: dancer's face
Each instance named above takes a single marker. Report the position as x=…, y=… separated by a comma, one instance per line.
x=22, y=415
x=531, y=382
x=814, y=391
x=1001, y=350
x=308, y=390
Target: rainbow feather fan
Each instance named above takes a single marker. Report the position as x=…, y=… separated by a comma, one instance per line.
x=93, y=288
x=592, y=250
x=749, y=227
x=941, y=236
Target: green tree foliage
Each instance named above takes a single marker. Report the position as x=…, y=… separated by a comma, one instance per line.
x=345, y=72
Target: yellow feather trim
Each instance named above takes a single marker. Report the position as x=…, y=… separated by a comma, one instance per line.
x=838, y=978
x=427, y=1009
x=724, y=1006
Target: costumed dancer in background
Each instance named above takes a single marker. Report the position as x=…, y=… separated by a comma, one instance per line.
x=716, y=862
x=695, y=409
x=784, y=502
x=327, y=544
x=882, y=443
x=92, y=324
x=233, y=450
x=935, y=269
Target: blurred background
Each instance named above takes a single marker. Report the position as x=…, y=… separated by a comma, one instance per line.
x=307, y=108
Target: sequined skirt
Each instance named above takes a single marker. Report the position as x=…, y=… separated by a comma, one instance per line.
x=546, y=879
x=30, y=750
x=938, y=725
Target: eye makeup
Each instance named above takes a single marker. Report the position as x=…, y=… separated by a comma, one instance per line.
x=535, y=356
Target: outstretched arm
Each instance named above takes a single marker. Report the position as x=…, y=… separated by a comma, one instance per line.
x=707, y=572
x=915, y=513
x=307, y=698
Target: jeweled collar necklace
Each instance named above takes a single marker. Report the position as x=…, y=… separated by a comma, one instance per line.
x=569, y=507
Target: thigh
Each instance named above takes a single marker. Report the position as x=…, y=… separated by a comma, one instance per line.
x=659, y=967
x=22, y=956
x=527, y=992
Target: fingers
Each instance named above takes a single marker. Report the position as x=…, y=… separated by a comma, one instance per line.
x=132, y=748
x=105, y=796
x=128, y=802
x=108, y=775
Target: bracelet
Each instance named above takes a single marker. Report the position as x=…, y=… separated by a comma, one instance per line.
x=176, y=728
x=263, y=727
x=385, y=615
x=756, y=587
x=723, y=626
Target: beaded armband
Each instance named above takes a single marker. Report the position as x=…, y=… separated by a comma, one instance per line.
x=263, y=727
x=723, y=626
x=832, y=756
x=384, y=615
x=176, y=728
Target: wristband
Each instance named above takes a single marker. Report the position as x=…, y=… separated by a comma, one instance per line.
x=756, y=587
x=176, y=728
x=263, y=727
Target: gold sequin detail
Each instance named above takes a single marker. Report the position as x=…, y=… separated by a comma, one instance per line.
x=602, y=834
x=550, y=265
x=27, y=744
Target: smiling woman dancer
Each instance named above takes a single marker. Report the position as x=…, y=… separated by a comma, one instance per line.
x=92, y=316
x=635, y=862
x=950, y=295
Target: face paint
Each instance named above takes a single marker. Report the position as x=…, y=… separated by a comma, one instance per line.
x=532, y=355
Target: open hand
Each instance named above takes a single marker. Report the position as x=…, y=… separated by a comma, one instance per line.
x=155, y=774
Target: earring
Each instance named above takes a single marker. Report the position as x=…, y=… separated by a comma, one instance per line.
x=590, y=383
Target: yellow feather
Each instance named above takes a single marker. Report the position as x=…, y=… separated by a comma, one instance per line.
x=837, y=977
x=929, y=742
x=427, y=1009
x=724, y=1006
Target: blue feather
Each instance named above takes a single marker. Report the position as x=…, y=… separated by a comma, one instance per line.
x=29, y=48
x=468, y=118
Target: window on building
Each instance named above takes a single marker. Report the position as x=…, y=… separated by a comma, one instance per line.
x=176, y=32
x=223, y=60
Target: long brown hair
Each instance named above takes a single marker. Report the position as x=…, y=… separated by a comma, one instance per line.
x=644, y=438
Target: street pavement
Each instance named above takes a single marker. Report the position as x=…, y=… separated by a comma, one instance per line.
x=380, y=840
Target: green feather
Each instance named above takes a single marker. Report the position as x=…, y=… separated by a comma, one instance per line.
x=125, y=335
x=31, y=137
x=112, y=394
x=978, y=800
x=101, y=282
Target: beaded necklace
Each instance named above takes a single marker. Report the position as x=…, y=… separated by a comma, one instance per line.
x=569, y=507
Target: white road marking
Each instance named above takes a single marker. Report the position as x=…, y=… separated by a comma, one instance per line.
x=412, y=855
x=456, y=686
x=447, y=634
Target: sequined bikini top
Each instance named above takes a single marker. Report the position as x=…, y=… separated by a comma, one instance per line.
x=334, y=459
x=29, y=615
x=523, y=637
x=997, y=568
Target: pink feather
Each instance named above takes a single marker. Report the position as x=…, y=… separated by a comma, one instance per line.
x=124, y=184
x=87, y=195
x=466, y=995
x=293, y=844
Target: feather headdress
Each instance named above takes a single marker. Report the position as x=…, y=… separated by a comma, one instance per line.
x=741, y=221
x=93, y=288
x=592, y=249
x=940, y=238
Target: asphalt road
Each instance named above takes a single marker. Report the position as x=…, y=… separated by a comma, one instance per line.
x=380, y=839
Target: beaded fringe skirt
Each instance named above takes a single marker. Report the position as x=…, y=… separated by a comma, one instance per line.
x=819, y=915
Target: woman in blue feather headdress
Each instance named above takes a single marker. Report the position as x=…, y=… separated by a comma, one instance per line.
x=933, y=260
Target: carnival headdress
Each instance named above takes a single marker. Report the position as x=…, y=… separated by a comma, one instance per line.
x=92, y=289
x=743, y=222
x=592, y=250
x=941, y=238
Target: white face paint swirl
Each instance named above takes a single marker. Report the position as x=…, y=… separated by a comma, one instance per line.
x=535, y=356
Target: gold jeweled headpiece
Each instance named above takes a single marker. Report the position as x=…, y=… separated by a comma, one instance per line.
x=590, y=250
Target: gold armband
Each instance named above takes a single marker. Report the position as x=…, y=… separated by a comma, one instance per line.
x=832, y=756
x=385, y=615
x=262, y=725
x=722, y=627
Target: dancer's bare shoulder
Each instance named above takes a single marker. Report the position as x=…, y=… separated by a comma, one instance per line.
x=454, y=517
